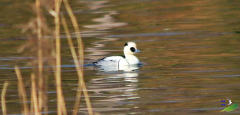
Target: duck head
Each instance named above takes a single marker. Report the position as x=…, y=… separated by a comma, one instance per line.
x=130, y=48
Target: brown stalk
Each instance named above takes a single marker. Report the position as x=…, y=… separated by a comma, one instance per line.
x=76, y=62
x=60, y=100
x=40, y=56
x=21, y=90
x=80, y=50
x=32, y=103
x=4, y=108
x=34, y=96
x=77, y=30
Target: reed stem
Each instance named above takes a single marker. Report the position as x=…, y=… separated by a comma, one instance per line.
x=76, y=62
x=21, y=90
x=76, y=28
x=4, y=108
x=34, y=96
x=60, y=100
x=81, y=54
x=40, y=56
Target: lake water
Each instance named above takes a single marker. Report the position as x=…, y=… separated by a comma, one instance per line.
x=190, y=56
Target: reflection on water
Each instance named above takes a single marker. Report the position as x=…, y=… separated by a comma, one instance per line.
x=114, y=88
x=151, y=34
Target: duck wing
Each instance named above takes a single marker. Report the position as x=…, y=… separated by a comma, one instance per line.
x=111, y=60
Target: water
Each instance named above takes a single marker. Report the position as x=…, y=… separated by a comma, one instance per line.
x=190, y=55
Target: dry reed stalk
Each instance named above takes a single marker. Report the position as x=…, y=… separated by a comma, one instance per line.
x=21, y=91
x=77, y=30
x=76, y=62
x=3, y=100
x=60, y=100
x=85, y=93
x=34, y=96
x=40, y=56
x=32, y=103
x=80, y=50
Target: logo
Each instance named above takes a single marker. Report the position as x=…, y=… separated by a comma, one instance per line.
x=231, y=107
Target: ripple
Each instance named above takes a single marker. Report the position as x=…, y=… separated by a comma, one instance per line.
x=150, y=34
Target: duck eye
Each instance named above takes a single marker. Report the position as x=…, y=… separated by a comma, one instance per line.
x=132, y=49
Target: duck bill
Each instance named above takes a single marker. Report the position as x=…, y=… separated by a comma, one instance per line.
x=137, y=51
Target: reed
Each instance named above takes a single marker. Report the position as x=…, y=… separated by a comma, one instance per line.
x=34, y=96
x=77, y=30
x=60, y=100
x=40, y=55
x=4, y=109
x=38, y=89
x=81, y=83
x=79, y=71
x=76, y=62
x=21, y=91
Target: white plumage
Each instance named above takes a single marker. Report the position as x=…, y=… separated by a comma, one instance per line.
x=128, y=59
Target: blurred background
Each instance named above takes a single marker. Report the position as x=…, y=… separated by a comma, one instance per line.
x=190, y=55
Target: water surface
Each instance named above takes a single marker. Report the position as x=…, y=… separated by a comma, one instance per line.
x=190, y=55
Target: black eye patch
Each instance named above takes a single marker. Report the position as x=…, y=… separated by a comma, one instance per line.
x=132, y=49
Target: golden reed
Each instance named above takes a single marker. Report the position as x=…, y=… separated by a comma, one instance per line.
x=38, y=90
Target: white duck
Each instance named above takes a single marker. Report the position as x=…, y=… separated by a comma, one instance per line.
x=128, y=59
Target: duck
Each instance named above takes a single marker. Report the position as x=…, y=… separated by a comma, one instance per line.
x=130, y=48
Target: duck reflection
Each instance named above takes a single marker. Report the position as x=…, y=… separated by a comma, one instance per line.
x=116, y=68
x=114, y=87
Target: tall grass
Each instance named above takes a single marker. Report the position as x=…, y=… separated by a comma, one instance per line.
x=35, y=105
x=21, y=91
x=60, y=100
x=3, y=94
x=81, y=82
x=39, y=97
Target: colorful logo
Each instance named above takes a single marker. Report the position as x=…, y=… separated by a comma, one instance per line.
x=230, y=108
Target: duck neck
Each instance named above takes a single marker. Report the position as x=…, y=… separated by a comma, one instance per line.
x=129, y=56
x=131, y=59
